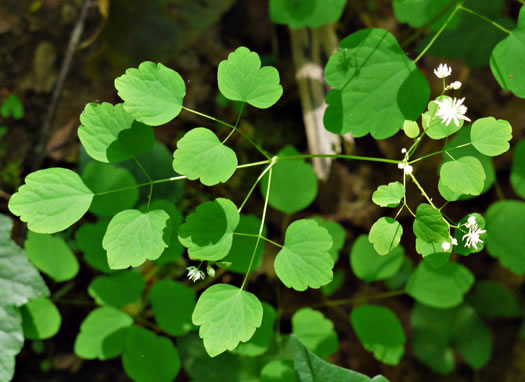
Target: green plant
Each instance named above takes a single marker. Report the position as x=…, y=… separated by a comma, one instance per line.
x=377, y=90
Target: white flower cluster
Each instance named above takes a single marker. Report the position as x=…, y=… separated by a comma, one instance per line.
x=450, y=109
x=195, y=274
x=407, y=169
x=473, y=234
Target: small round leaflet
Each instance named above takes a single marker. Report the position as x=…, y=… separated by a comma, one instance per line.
x=385, y=235
x=491, y=136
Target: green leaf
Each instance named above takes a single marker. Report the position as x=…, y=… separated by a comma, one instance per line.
x=304, y=261
x=310, y=368
x=379, y=331
x=150, y=358
x=517, y=174
x=306, y=13
x=507, y=61
x=294, y=183
x=337, y=232
x=385, y=235
x=133, y=237
x=100, y=178
x=12, y=338
x=109, y=134
x=377, y=87
x=505, y=239
x=368, y=265
x=40, y=319
x=52, y=256
x=389, y=195
x=490, y=136
x=443, y=287
x=241, y=78
x=226, y=315
x=418, y=13
x=102, y=333
x=464, y=175
x=19, y=279
x=117, y=290
x=152, y=93
x=429, y=224
x=242, y=246
x=492, y=299
x=200, y=154
x=51, y=200
x=436, y=332
x=89, y=240
x=411, y=129
x=278, y=371
x=463, y=138
x=208, y=231
x=459, y=233
x=401, y=276
x=174, y=319
x=12, y=107
x=315, y=331
x=334, y=285
x=262, y=339
x=434, y=126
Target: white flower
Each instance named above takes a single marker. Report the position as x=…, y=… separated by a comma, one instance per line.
x=445, y=246
x=454, y=241
x=194, y=274
x=400, y=165
x=403, y=150
x=442, y=71
x=473, y=233
x=408, y=169
x=455, y=85
x=451, y=110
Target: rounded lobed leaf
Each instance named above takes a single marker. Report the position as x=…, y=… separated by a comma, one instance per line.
x=315, y=331
x=389, y=195
x=208, y=231
x=89, y=240
x=304, y=260
x=200, y=154
x=117, y=290
x=377, y=87
x=337, y=232
x=51, y=200
x=109, y=134
x=175, y=319
x=262, y=339
x=52, y=256
x=306, y=13
x=464, y=175
x=507, y=61
x=102, y=333
x=385, y=235
x=152, y=94
x=133, y=237
x=150, y=358
x=226, y=315
x=368, y=265
x=491, y=136
x=442, y=287
x=241, y=78
x=379, y=331
x=429, y=224
x=40, y=319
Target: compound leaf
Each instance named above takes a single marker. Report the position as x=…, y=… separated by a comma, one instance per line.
x=389, y=195
x=208, y=231
x=304, y=261
x=133, y=237
x=377, y=87
x=109, y=134
x=379, y=331
x=226, y=315
x=491, y=136
x=152, y=94
x=51, y=200
x=200, y=154
x=241, y=78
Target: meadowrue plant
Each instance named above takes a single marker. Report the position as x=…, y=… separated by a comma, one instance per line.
x=146, y=249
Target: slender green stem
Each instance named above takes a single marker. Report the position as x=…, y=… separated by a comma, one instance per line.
x=409, y=210
x=342, y=156
x=439, y=152
x=438, y=33
x=254, y=164
x=422, y=191
x=231, y=127
x=236, y=124
x=354, y=300
x=263, y=218
x=150, y=181
x=262, y=237
x=256, y=183
x=62, y=291
x=490, y=21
